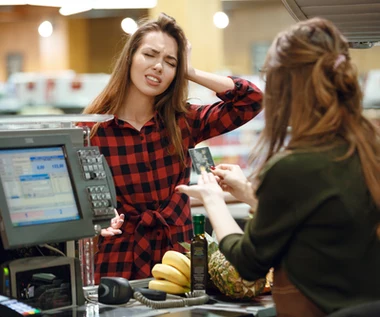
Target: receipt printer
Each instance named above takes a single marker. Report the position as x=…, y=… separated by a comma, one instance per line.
x=45, y=282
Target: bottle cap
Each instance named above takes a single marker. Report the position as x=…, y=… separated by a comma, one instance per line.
x=199, y=224
x=199, y=218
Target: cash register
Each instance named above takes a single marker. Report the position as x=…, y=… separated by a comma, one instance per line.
x=52, y=189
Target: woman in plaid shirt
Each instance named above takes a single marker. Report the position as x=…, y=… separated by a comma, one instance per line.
x=146, y=145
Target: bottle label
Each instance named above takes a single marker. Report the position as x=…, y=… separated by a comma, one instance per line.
x=199, y=268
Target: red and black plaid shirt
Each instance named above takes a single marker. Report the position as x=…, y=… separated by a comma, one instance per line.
x=145, y=176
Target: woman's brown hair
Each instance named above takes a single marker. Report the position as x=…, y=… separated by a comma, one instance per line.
x=170, y=103
x=312, y=87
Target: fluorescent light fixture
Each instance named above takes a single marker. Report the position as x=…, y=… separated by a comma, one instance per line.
x=69, y=10
x=48, y=3
x=94, y=4
x=124, y=4
x=11, y=3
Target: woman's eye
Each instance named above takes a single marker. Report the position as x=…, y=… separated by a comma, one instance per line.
x=149, y=55
x=171, y=64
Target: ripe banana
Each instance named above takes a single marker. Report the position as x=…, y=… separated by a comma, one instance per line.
x=178, y=260
x=169, y=273
x=167, y=287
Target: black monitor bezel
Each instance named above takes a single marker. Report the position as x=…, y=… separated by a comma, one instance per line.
x=37, y=234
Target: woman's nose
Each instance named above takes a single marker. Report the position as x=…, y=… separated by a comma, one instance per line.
x=158, y=66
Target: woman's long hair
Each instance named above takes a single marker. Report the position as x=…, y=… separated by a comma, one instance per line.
x=170, y=103
x=312, y=87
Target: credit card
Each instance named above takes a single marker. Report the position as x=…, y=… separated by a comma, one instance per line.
x=202, y=159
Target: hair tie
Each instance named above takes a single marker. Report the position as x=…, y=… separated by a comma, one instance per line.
x=339, y=60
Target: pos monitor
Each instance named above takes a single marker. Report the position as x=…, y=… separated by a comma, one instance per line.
x=51, y=191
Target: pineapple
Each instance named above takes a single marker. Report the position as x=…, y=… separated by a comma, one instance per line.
x=224, y=276
x=228, y=281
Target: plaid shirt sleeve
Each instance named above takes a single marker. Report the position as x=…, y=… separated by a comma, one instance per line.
x=237, y=107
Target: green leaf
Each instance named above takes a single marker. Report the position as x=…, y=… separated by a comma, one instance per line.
x=212, y=247
x=186, y=245
x=212, y=244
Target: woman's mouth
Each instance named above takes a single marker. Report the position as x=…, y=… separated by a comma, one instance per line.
x=152, y=78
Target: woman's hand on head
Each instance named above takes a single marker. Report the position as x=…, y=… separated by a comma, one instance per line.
x=114, y=228
x=207, y=187
x=231, y=179
x=189, y=67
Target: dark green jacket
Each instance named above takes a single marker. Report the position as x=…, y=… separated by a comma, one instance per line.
x=317, y=220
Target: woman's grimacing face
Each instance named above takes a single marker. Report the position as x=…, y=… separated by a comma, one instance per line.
x=154, y=64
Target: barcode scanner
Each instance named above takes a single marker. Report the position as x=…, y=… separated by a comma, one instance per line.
x=117, y=290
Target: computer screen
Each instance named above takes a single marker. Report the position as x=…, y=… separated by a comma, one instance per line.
x=37, y=185
x=50, y=190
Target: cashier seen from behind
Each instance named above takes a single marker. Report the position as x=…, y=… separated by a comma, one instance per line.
x=146, y=145
x=317, y=221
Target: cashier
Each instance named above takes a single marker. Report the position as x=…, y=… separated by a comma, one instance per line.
x=318, y=216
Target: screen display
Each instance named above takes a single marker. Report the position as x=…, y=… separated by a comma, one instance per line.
x=37, y=186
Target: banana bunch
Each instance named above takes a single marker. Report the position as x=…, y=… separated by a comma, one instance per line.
x=172, y=275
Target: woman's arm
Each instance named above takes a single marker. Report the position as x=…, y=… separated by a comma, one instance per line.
x=211, y=195
x=220, y=217
x=240, y=101
x=236, y=107
x=211, y=81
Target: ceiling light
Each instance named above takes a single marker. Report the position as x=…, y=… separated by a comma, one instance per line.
x=69, y=10
x=11, y=3
x=45, y=29
x=129, y=25
x=125, y=4
x=221, y=20
x=95, y=4
x=48, y=3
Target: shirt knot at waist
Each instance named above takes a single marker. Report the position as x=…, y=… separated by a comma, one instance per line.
x=149, y=218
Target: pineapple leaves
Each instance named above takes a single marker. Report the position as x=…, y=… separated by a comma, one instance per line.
x=185, y=245
x=213, y=244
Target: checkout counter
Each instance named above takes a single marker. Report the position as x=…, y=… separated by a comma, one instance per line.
x=137, y=310
x=46, y=162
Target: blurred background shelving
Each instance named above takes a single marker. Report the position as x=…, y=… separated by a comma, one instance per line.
x=64, y=72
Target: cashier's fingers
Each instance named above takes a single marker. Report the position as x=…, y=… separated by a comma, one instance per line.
x=227, y=167
x=218, y=179
x=191, y=191
x=207, y=178
x=219, y=173
x=225, y=187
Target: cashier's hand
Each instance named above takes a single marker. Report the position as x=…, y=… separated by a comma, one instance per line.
x=207, y=187
x=232, y=179
x=116, y=224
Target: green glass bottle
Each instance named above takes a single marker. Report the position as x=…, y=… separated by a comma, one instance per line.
x=199, y=260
